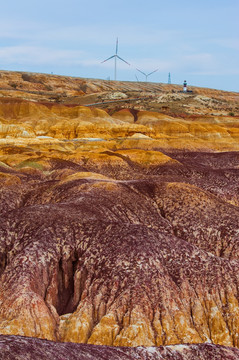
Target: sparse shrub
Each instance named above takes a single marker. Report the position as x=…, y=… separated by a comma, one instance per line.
x=31, y=78
x=13, y=85
x=26, y=77
x=48, y=87
x=31, y=164
x=231, y=113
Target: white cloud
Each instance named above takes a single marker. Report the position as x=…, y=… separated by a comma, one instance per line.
x=18, y=29
x=150, y=64
x=34, y=55
x=209, y=65
x=190, y=62
x=200, y=60
x=129, y=35
x=229, y=43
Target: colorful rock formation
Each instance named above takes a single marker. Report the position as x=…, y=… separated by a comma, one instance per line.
x=118, y=226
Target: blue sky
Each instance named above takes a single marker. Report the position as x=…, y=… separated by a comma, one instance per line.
x=193, y=40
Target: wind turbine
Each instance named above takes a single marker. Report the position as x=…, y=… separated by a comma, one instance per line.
x=116, y=56
x=146, y=75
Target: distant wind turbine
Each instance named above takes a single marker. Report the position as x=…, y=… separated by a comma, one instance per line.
x=146, y=75
x=116, y=56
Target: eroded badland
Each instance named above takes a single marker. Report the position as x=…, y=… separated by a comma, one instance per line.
x=119, y=218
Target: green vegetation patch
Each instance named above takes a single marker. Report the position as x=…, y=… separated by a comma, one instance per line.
x=30, y=163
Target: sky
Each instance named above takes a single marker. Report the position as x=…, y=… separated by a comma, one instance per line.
x=197, y=41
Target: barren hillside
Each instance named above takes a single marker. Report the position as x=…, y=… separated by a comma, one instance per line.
x=119, y=218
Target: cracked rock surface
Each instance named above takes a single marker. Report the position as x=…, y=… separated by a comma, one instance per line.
x=118, y=227
x=150, y=260
x=21, y=348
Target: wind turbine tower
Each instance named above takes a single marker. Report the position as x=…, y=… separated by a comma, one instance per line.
x=146, y=75
x=169, y=78
x=116, y=56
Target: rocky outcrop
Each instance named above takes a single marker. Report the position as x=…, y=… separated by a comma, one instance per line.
x=117, y=227
x=17, y=347
x=88, y=258
x=33, y=105
x=30, y=120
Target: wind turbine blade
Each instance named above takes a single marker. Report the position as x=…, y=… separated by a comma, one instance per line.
x=116, y=50
x=108, y=59
x=122, y=59
x=152, y=72
x=141, y=72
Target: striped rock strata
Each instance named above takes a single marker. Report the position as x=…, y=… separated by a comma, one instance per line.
x=119, y=226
